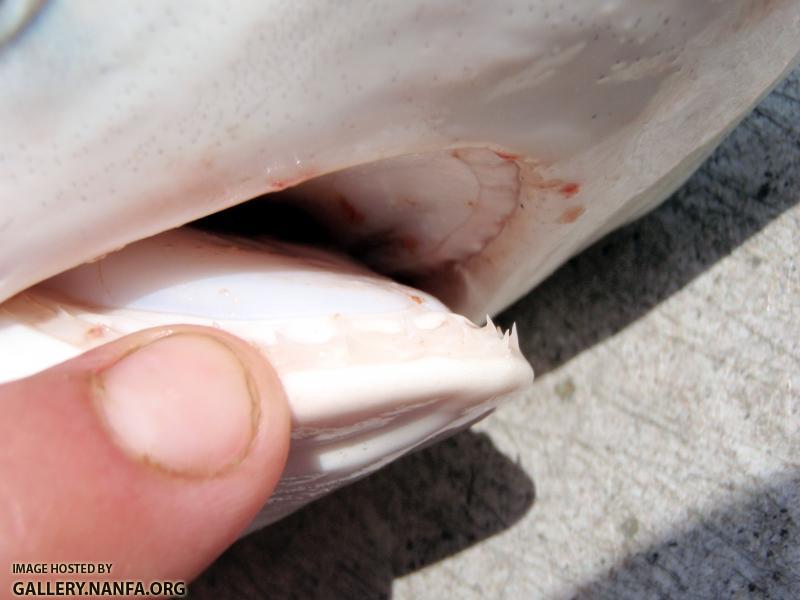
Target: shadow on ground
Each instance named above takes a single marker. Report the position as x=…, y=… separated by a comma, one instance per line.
x=354, y=543
x=446, y=498
x=749, y=549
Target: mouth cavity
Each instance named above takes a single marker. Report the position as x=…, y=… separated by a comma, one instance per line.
x=414, y=218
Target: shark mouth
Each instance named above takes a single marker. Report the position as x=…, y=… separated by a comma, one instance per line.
x=311, y=275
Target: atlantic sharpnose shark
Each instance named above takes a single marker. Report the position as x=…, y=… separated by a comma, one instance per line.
x=346, y=185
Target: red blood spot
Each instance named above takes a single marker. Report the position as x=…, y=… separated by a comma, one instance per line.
x=409, y=243
x=416, y=299
x=351, y=213
x=571, y=214
x=507, y=155
x=568, y=190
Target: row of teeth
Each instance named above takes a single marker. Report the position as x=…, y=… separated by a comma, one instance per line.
x=336, y=335
x=363, y=341
x=509, y=336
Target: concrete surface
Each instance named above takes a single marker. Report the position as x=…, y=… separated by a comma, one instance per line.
x=658, y=455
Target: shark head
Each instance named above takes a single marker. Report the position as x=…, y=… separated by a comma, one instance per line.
x=348, y=186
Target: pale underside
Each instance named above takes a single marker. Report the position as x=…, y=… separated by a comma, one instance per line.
x=468, y=150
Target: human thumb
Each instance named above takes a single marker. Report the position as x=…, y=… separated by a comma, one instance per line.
x=151, y=453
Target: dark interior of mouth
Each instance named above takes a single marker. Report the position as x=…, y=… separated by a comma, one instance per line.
x=271, y=215
x=275, y=216
x=408, y=217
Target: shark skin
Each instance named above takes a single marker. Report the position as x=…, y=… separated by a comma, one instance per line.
x=468, y=149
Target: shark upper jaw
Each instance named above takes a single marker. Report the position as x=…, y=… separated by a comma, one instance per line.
x=122, y=121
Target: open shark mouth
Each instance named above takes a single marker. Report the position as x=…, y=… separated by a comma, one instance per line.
x=372, y=367
x=354, y=206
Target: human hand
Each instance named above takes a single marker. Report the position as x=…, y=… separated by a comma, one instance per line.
x=151, y=453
